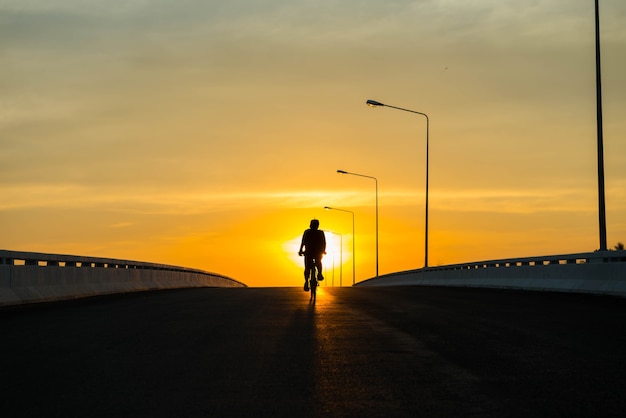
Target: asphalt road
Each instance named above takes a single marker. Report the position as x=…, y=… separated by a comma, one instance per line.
x=357, y=352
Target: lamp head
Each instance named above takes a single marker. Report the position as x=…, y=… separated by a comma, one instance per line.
x=373, y=103
x=327, y=207
x=342, y=172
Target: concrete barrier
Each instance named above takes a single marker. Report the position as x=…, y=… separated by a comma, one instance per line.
x=600, y=272
x=27, y=277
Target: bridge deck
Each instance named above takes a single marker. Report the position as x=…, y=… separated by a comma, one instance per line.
x=398, y=351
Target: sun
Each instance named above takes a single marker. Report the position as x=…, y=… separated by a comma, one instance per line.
x=332, y=259
x=291, y=248
x=331, y=262
x=333, y=248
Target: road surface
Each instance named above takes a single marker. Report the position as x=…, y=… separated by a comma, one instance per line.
x=356, y=352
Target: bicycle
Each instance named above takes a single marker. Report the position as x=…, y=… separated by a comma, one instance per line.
x=312, y=276
x=313, y=283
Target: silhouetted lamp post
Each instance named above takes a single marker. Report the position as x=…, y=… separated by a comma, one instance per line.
x=601, y=199
x=375, y=180
x=374, y=103
x=353, y=252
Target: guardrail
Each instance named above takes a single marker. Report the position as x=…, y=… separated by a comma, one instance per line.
x=35, y=277
x=601, y=272
x=580, y=258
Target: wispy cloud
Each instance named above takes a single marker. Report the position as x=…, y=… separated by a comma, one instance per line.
x=159, y=202
x=198, y=201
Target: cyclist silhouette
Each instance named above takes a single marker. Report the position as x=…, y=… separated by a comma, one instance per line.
x=313, y=248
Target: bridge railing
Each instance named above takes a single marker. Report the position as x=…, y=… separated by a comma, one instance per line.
x=34, y=277
x=601, y=272
x=546, y=260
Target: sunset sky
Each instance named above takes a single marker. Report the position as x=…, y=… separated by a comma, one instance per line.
x=207, y=134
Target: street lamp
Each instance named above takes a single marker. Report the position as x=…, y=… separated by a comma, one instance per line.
x=374, y=103
x=600, y=145
x=376, y=181
x=353, y=252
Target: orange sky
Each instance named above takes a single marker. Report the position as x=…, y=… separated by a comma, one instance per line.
x=208, y=134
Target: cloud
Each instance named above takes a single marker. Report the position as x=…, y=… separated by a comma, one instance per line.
x=157, y=201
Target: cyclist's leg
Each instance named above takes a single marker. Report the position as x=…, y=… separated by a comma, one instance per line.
x=308, y=271
x=313, y=284
x=313, y=289
x=307, y=267
x=318, y=263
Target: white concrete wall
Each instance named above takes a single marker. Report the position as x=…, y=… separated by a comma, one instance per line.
x=37, y=277
x=598, y=272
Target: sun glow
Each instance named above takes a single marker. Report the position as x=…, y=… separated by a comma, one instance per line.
x=290, y=248
x=333, y=247
x=332, y=262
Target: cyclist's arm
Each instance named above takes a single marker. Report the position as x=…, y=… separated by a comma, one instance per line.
x=300, y=251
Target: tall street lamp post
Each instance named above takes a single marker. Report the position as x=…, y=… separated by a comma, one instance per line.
x=600, y=146
x=374, y=103
x=376, y=181
x=353, y=252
